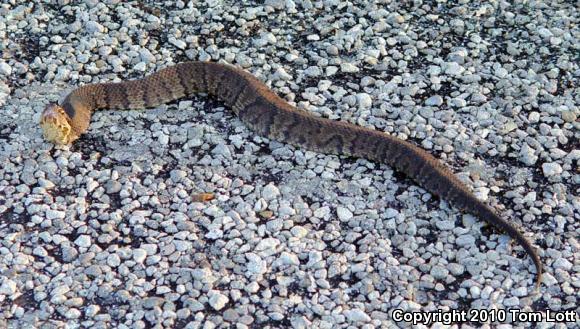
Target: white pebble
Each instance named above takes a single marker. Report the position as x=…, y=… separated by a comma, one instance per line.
x=163, y=139
x=55, y=214
x=312, y=71
x=331, y=70
x=551, y=169
x=83, y=241
x=217, y=300
x=562, y=263
x=268, y=243
x=146, y=56
x=364, y=100
x=348, y=68
x=281, y=74
x=435, y=100
x=4, y=92
x=544, y=32
x=141, y=67
x=60, y=290
x=92, y=310
x=501, y=73
x=343, y=213
x=527, y=155
x=178, y=43
x=465, y=240
x=322, y=212
x=391, y=213
x=270, y=192
x=287, y=258
x=255, y=265
x=265, y=39
x=73, y=313
x=5, y=69
x=356, y=315
x=94, y=27
x=453, y=68
x=113, y=260
x=299, y=231
x=139, y=255
x=8, y=287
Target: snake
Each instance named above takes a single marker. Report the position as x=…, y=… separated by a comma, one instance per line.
x=270, y=116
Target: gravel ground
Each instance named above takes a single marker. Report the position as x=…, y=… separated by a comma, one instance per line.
x=107, y=233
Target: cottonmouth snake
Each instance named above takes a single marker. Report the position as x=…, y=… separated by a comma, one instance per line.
x=270, y=116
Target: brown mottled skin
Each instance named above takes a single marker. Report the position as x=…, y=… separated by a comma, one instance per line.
x=270, y=116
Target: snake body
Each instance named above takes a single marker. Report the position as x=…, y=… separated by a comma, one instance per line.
x=270, y=116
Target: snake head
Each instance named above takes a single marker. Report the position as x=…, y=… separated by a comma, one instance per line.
x=55, y=124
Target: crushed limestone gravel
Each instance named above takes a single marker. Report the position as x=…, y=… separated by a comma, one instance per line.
x=105, y=233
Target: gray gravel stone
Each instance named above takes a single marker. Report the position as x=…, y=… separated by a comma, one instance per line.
x=453, y=69
x=113, y=260
x=343, y=214
x=527, y=155
x=69, y=254
x=83, y=241
x=55, y=214
x=439, y=272
x=289, y=259
x=5, y=69
x=299, y=232
x=8, y=287
x=180, y=44
x=435, y=100
x=113, y=187
x=94, y=27
x=217, y=300
x=348, y=68
x=569, y=116
x=465, y=240
x=270, y=192
x=364, y=100
x=139, y=255
x=356, y=315
x=551, y=169
x=290, y=236
x=562, y=263
x=4, y=92
x=92, y=310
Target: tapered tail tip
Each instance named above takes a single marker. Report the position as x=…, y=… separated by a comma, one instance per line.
x=538, y=281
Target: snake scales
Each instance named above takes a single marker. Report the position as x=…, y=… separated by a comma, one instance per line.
x=270, y=116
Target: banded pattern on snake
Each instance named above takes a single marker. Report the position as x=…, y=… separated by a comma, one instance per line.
x=270, y=116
